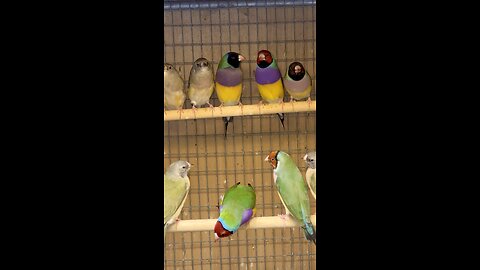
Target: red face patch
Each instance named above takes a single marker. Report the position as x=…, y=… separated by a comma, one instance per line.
x=220, y=231
x=264, y=55
x=272, y=159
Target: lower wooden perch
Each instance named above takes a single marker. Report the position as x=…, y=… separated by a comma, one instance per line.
x=197, y=225
x=255, y=109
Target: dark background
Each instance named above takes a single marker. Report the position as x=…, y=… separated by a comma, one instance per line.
x=86, y=136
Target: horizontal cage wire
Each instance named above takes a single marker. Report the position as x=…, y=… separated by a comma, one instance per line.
x=194, y=29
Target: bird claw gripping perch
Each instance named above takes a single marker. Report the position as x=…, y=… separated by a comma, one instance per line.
x=194, y=110
x=241, y=107
x=220, y=107
x=176, y=223
x=211, y=107
x=179, y=111
x=309, y=101
x=260, y=103
x=284, y=218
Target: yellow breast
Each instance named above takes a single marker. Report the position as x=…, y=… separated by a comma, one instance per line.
x=228, y=95
x=273, y=92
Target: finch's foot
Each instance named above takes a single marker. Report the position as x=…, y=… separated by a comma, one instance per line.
x=176, y=223
x=260, y=105
x=241, y=106
x=194, y=109
x=284, y=218
x=180, y=111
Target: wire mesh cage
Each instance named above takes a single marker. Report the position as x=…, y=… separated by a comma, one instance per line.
x=194, y=29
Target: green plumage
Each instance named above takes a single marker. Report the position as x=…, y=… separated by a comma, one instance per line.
x=176, y=185
x=293, y=192
x=239, y=200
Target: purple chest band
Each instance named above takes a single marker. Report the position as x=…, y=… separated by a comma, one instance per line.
x=229, y=76
x=267, y=75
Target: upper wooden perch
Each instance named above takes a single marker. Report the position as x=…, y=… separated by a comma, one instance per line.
x=255, y=109
x=196, y=225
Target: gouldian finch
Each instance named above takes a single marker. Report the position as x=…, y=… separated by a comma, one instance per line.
x=297, y=82
x=269, y=80
x=228, y=82
x=173, y=88
x=311, y=174
x=176, y=185
x=200, y=83
x=292, y=190
x=236, y=208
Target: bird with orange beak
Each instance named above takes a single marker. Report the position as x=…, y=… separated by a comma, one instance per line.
x=269, y=80
x=292, y=190
x=228, y=82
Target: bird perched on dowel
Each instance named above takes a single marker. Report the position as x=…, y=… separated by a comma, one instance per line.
x=173, y=88
x=292, y=191
x=176, y=185
x=297, y=82
x=200, y=83
x=236, y=208
x=269, y=80
x=228, y=82
x=311, y=174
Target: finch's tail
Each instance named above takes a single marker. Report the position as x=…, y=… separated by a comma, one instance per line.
x=226, y=120
x=310, y=233
x=282, y=118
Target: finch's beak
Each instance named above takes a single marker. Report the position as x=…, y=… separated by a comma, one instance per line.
x=261, y=57
x=266, y=159
x=305, y=157
x=241, y=58
x=216, y=236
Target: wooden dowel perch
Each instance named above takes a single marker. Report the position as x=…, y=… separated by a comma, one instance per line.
x=255, y=109
x=196, y=225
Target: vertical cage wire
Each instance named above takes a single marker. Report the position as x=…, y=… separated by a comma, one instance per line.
x=209, y=29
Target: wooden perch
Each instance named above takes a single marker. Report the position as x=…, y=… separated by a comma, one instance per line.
x=255, y=109
x=196, y=225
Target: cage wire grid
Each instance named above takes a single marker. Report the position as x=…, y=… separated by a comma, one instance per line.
x=194, y=29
